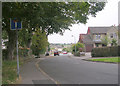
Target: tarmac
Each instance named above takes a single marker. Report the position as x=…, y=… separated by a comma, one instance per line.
x=31, y=74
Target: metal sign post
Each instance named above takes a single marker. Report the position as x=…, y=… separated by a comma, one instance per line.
x=15, y=25
x=17, y=52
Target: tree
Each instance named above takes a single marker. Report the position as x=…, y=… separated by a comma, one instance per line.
x=68, y=49
x=105, y=41
x=114, y=42
x=78, y=47
x=64, y=49
x=51, y=17
x=39, y=43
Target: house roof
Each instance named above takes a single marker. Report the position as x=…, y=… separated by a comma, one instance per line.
x=98, y=29
x=87, y=39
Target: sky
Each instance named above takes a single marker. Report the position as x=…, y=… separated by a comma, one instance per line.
x=107, y=17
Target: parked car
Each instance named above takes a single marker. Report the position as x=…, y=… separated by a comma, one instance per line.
x=56, y=53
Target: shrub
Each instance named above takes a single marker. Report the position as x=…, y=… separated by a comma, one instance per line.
x=105, y=51
x=23, y=52
x=77, y=53
x=79, y=47
x=4, y=54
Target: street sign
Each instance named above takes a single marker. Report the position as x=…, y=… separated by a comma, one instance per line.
x=15, y=24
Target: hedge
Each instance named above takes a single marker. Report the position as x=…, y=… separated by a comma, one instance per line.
x=77, y=53
x=106, y=51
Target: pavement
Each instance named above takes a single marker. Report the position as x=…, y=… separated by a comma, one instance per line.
x=65, y=70
x=31, y=74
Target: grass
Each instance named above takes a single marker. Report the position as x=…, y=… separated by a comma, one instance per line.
x=9, y=71
x=113, y=59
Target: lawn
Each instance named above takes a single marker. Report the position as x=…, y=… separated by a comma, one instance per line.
x=113, y=59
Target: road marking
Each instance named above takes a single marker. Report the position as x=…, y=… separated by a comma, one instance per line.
x=46, y=73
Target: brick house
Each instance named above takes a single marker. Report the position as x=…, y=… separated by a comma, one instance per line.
x=94, y=36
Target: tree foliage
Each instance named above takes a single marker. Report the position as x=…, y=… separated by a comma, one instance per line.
x=114, y=42
x=68, y=49
x=79, y=46
x=105, y=40
x=51, y=17
x=39, y=42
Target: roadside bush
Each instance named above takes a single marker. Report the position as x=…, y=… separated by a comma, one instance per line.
x=105, y=51
x=79, y=47
x=77, y=53
x=4, y=54
x=23, y=52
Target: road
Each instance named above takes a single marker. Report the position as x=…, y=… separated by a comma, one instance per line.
x=66, y=70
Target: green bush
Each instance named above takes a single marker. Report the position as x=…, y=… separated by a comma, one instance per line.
x=105, y=51
x=79, y=47
x=23, y=52
x=77, y=53
x=4, y=54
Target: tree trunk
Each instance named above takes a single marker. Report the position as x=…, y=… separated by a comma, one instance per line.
x=29, y=45
x=11, y=44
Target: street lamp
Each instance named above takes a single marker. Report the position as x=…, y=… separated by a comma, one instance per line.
x=75, y=42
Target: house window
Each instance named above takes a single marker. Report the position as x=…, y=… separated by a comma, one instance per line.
x=111, y=35
x=115, y=35
x=98, y=36
x=103, y=45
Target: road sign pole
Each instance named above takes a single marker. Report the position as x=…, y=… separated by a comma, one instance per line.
x=17, y=52
x=15, y=25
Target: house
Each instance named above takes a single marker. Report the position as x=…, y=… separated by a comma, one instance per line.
x=96, y=35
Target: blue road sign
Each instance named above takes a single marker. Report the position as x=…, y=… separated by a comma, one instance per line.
x=15, y=24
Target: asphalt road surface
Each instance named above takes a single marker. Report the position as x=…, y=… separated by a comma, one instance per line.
x=66, y=70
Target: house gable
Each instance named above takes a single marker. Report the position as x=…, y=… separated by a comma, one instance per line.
x=88, y=32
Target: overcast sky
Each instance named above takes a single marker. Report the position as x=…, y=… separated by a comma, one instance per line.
x=107, y=17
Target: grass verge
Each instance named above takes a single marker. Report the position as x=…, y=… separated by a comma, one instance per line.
x=111, y=60
x=9, y=71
